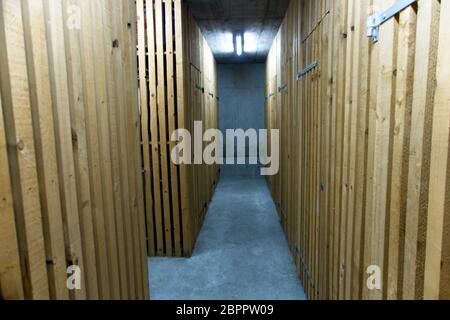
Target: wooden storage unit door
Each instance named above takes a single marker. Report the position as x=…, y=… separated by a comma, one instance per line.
x=177, y=85
x=365, y=137
x=70, y=165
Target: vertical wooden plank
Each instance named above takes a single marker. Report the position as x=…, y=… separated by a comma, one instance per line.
x=90, y=106
x=375, y=231
x=298, y=89
x=135, y=163
x=102, y=106
x=355, y=30
x=318, y=75
x=152, y=67
x=332, y=65
x=120, y=74
x=80, y=149
x=294, y=246
x=316, y=149
x=332, y=208
x=145, y=294
x=21, y=151
x=438, y=191
x=445, y=258
x=160, y=53
x=361, y=102
x=303, y=241
x=10, y=272
x=326, y=57
x=44, y=137
x=400, y=145
x=317, y=115
x=374, y=52
x=346, y=215
x=342, y=34
x=142, y=51
x=183, y=73
x=172, y=120
x=420, y=147
x=307, y=145
x=64, y=139
x=278, y=116
x=111, y=45
x=193, y=98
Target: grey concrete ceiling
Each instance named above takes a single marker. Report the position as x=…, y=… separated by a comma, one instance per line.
x=261, y=18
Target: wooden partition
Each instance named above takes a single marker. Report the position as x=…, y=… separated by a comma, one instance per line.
x=364, y=181
x=71, y=190
x=177, y=83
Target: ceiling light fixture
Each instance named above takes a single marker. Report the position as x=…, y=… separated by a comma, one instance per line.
x=239, y=44
x=227, y=42
x=250, y=44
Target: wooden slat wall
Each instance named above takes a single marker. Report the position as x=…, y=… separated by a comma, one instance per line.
x=177, y=85
x=366, y=145
x=70, y=163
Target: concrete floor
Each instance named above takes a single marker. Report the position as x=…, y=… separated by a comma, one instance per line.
x=241, y=253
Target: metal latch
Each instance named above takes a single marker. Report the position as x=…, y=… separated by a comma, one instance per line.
x=200, y=88
x=282, y=87
x=306, y=70
x=375, y=21
x=270, y=95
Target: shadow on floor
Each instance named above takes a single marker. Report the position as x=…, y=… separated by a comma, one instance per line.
x=241, y=253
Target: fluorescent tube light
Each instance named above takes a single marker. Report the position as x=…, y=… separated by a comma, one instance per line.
x=239, y=45
x=250, y=44
x=227, y=43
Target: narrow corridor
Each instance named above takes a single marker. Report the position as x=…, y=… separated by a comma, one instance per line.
x=241, y=252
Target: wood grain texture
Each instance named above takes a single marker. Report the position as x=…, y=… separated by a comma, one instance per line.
x=177, y=86
x=71, y=186
x=370, y=156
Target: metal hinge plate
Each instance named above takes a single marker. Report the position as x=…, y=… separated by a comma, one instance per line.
x=270, y=95
x=200, y=88
x=282, y=87
x=306, y=70
x=375, y=21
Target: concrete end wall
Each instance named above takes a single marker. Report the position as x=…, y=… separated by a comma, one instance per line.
x=241, y=106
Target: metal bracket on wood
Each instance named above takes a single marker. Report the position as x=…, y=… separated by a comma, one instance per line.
x=270, y=95
x=202, y=89
x=306, y=70
x=282, y=87
x=375, y=21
